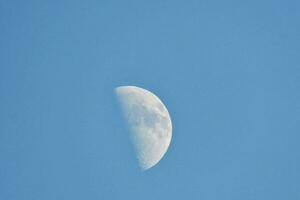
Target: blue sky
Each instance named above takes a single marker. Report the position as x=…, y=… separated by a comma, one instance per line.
x=228, y=72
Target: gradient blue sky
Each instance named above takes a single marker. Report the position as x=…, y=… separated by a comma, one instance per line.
x=228, y=71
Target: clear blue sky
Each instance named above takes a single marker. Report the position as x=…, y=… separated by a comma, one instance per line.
x=228, y=72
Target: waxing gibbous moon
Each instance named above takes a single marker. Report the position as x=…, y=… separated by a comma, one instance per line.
x=149, y=123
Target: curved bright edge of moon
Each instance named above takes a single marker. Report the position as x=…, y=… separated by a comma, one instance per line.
x=149, y=122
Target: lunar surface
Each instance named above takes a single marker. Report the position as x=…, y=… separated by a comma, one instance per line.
x=149, y=123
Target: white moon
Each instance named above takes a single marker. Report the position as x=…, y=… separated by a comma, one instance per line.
x=149, y=122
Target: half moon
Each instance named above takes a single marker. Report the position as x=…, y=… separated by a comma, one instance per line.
x=149, y=122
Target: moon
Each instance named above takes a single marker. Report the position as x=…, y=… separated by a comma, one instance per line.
x=149, y=124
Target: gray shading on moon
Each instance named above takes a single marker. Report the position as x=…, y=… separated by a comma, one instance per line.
x=149, y=122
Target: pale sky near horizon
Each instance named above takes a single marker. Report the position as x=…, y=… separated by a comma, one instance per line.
x=228, y=72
